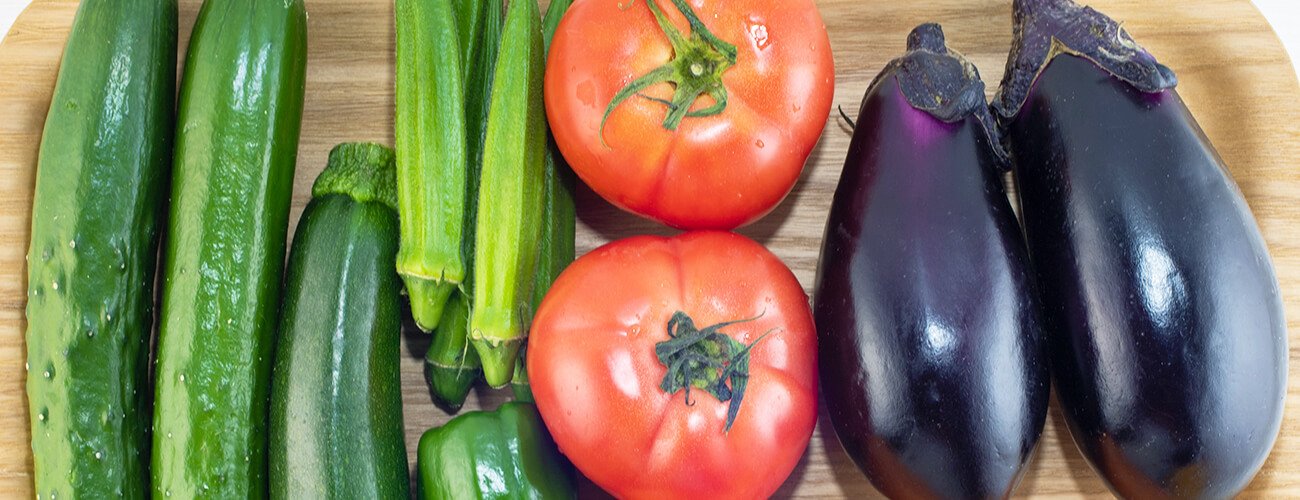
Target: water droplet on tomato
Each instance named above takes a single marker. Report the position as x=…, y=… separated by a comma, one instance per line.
x=758, y=33
x=759, y=143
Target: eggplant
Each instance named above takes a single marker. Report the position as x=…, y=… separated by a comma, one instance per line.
x=1164, y=318
x=933, y=366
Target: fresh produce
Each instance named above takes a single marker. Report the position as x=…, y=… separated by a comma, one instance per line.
x=336, y=406
x=511, y=196
x=433, y=166
x=556, y=247
x=238, y=118
x=1168, y=342
x=100, y=192
x=933, y=363
x=451, y=365
x=698, y=115
x=493, y=455
x=681, y=367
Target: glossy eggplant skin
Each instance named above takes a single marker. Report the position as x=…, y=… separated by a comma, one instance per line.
x=933, y=367
x=1163, y=311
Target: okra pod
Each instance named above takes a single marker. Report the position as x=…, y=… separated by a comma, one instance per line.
x=511, y=196
x=450, y=365
x=558, y=218
x=430, y=129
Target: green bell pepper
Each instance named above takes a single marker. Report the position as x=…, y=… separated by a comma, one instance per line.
x=494, y=455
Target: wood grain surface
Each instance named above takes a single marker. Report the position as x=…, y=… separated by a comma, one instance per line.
x=1233, y=73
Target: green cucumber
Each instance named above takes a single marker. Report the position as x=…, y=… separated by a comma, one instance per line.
x=336, y=404
x=101, y=186
x=430, y=129
x=238, y=119
x=510, y=196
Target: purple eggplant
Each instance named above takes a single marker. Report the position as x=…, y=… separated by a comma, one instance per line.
x=933, y=366
x=1164, y=318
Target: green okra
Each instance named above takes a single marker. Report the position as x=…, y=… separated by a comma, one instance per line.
x=511, y=196
x=556, y=248
x=432, y=161
x=450, y=365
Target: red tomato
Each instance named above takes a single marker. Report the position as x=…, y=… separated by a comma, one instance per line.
x=596, y=376
x=711, y=172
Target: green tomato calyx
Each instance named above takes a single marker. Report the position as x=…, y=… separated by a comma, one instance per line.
x=705, y=359
x=695, y=69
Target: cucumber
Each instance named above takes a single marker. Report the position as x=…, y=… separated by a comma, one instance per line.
x=101, y=185
x=336, y=405
x=510, y=196
x=238, y=118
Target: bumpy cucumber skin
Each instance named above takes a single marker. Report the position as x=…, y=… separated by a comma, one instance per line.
x=238, y=118
x=336, y=407
x=101, y=185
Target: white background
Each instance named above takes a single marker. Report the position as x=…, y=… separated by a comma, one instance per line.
x=1284, y=15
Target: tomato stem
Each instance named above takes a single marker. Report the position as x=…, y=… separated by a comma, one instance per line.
x=706, y=359
x=695, y=69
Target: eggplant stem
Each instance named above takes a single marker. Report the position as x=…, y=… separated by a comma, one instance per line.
x=845, y=116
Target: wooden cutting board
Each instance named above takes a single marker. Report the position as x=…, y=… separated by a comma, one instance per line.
x=1233, y=73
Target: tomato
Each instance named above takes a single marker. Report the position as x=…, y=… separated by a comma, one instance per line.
x=596, y=375
x=766, y=62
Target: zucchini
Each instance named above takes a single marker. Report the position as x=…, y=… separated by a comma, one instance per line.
x=336, y=404
x=238, y=118
x=96, y=219
x=450, y=365
x=510, y=196
x=431, y=158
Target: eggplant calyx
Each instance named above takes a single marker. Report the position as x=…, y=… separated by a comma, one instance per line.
x=1047, y=28
x=706, y=359
x=696, y=69
x=942, y=82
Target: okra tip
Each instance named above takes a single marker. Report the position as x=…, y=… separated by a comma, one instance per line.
x=448, y=386
x=428, y=299
x=498, y=357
